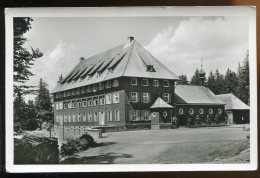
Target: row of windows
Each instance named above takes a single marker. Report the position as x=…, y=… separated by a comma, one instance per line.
x=88, y=89
x=145, y=97
x=89, y=117
x=90, y=101
x=140, y=115
x=201, y=111
x=154, y=83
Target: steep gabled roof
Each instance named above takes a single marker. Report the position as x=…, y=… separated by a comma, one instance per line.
x=188, y=94
x=129, y=60
x=160, y=103
x=232, y=102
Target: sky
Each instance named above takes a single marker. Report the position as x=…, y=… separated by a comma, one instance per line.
x=178, y=42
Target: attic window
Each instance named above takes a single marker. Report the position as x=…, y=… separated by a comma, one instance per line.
x=150, y=68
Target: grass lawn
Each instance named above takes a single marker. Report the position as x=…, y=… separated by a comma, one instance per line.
x=183, y=145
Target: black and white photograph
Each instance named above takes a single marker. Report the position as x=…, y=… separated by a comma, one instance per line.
x=131, y=89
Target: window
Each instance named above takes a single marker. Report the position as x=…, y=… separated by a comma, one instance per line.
x=108, y=84
x=210, y=111
x=166, y=97
x=108, y=98
x=109, y=116
x=135, y=115
x=69, y=104
x=68, y=93
x=134, y=97
x=156, y=83
x=69, y=118
x=72, y=92
x=64, y=94
x=78, y=91
x=79, y=103
x=74, y=117
x=165, y=114
x=115, y=83
x=61, y=121
x=201, y=111
x=79, y=117
x=57, y=118
x=116, y=98
x=145, y=115
x=65, y=105
x=101, y=86
x=117, y=116
x=134, y=81
x=84, y=117
x=191, y=111
x=94, y=88
x=101, y=100
x=61, y=105
x=83, y=90
x=89, y=117
x=56, y=95
x=95, y=101
x=89, y=89
x=74, y=104
x=65, y=118
x=84, y=102
x=166, y=83
x=145, y=82
x=146, y=97
x=57, y=105
x=89, y=101
x=180, y=111
x=96, y=117
x=219, y=111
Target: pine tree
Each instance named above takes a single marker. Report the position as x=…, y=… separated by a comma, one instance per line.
x=23, y=59
x=219, y=83
x=243, y=80
x=183, y=80
x=195, y=80
x=30, y=122
x=44, y=103
x=231, y=82
x=211, y=82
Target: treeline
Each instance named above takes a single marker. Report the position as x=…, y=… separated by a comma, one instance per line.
x=233, y=82
x=32, y=114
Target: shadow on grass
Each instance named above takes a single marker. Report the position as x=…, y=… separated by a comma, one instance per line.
x=103, y=144
x=103, y=158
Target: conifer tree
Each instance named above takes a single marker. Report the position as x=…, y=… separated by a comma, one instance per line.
x=183, y=80
x=195, y=80
x=231, y=82
x=211, y=82
x=219, y=83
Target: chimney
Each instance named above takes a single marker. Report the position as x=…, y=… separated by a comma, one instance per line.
x=81, y=58
x=129, y=40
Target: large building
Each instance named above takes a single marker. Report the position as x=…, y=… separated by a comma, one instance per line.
x=197, y=102
x=237, y=110
x=116, y=87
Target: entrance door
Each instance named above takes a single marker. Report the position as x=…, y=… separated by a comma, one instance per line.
x=101, y=118
x=230, y=117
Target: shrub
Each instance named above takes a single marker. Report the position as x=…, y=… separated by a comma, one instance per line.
x=70, y=148
x=88, y=138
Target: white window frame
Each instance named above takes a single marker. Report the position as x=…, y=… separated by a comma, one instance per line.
x=115, y=83
x=117, y=115
x=84, y=102
x=95, y=101
x=116, y=98
x=89, y=117
x=108, y=98
x=181, y=111
x=166, y=97
x=191, y=111
x=145, y=84
x=135, y=115
x=101, y=86
x=109, y=116
x=95, y=116
x=89, y=89
x=146, y=114
x=219, y=111
x=69, y=118
x=90, y=101
x=108, y=84
x=134, y=81
x=136, y=97
x=79, y=104
x=74, y=104
x=65, y=118
x=57, y=105
x=84, y=118
x=210, y=111
x=101, y=100
x=201, y=111
x=156, y=82
x=94, y=88
x=79, y=117
x=60, y=105
x=74, y=117
x=69, y=104
x=145, y=97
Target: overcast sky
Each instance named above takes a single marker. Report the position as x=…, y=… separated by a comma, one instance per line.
x=178, y=42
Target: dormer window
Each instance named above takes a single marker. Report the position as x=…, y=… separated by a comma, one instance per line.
x=134, y=81
x=150, y=68
x=108, y=84
x=115, y=83
x=145, y=82
x=101, y=86
x=166, y=83
x=94, y=88
x=78, y=91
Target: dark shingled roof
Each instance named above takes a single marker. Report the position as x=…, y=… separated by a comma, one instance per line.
x=188, y=94
x=130, y=60
x=232, y=102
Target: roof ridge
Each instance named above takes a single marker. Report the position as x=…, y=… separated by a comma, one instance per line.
x=129, y=57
